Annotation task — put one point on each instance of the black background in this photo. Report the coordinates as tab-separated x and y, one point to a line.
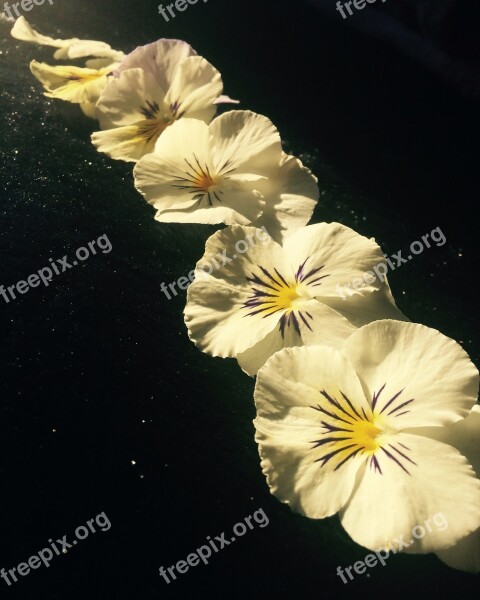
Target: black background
384	108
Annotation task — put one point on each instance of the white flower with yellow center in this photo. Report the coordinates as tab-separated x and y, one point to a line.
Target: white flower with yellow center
79	85
231	171
154	86
267	296
352	431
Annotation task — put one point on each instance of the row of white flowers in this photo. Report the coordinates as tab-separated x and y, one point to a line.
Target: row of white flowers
359	411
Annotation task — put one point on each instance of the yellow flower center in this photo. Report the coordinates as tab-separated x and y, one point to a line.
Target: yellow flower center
204	181
200	177
365	435
355	429
287	296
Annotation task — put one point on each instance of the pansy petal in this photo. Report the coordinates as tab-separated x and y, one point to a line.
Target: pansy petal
240	205
195	86
464	435
230	335
89	110
413	375
159	60
67	49
290	193
419	478
226	100
101	63
288	394
73	84
22	30
239	251
247	141
155	179
123	143
318	324
361	309
314	323
346	254
83	48
123	99
464	555
252	359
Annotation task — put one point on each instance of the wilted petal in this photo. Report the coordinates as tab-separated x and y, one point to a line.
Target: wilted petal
67	49
73	84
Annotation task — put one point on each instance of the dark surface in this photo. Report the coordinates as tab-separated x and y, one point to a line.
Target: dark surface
102	357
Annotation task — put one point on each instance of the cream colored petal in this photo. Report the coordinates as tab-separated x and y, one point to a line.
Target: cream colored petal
419	478
22	30
289	399
361	309
226	100
464	435
159	60
89	110
216	322
412	374
291	193
83	48
239	251
464	555
124	100
101	63
247	141
67	49
195	86
73	84
124	143
313	323
240	206
345	254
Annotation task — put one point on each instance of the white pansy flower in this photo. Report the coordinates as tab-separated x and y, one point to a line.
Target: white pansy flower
79	85
268	296
232	171
155	86
343	431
